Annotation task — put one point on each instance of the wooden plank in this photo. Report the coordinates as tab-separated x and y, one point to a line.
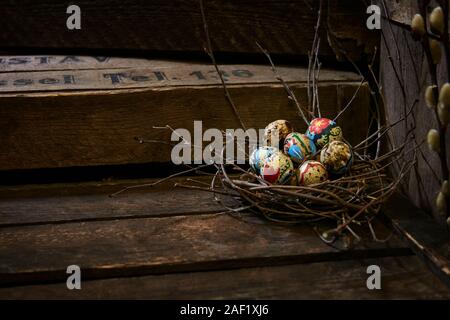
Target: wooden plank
401	278
72	62
83	128
158	74
402	11
408	62
162	245
64	203
176	26
429	240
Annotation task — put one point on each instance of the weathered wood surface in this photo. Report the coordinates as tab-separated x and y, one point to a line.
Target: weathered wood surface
142	244
402	11
63	128
63	203
175	26
429	241
402	55
116	73
402	278
137	246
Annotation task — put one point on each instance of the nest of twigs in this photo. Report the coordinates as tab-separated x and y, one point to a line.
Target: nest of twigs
348	202
342	205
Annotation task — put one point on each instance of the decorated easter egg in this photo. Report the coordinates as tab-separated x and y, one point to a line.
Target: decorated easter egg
259	155
323	130
311	172
298	147
277	168
275	132
337	157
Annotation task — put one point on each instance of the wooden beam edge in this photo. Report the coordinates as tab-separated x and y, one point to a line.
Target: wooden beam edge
427	239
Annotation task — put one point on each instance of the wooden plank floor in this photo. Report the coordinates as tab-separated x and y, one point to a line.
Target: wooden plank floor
167	242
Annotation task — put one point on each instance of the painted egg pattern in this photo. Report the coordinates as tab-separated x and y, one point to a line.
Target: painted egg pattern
259	155
280	128
337	157
277	168
323	130
298	147
311	172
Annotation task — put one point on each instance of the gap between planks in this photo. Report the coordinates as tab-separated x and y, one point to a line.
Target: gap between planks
402	278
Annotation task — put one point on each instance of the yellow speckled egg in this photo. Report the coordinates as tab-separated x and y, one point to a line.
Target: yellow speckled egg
337	157
277	169
279	129
312	172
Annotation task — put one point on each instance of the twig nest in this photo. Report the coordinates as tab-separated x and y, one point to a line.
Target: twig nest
435	48
298	147
259	156
430	98
275	132
437	24
441	203
323	130
312	172
277	168
433	140
418	26
337	157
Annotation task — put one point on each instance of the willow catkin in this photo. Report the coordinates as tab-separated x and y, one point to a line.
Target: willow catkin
436	53
441	203
444	95
444	104
418	26
443	114
433	140
437	23
430	97
445	188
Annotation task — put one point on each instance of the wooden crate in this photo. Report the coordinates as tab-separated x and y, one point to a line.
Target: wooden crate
167	242
84	111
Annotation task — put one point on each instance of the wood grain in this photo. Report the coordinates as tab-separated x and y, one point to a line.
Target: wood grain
84	128
161	245
160	26
429	241
91	201
139	74
408	62
402	278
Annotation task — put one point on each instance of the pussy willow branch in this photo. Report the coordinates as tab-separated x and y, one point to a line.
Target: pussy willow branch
433	74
